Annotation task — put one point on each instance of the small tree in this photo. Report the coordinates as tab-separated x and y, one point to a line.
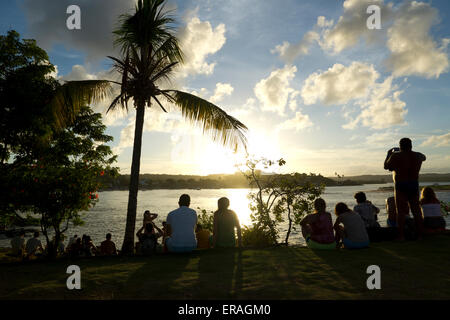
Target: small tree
63	180
277	196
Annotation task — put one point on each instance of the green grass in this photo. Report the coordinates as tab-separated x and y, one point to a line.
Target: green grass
409	270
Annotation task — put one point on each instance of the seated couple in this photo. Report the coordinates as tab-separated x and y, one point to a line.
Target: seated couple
181	225
317	228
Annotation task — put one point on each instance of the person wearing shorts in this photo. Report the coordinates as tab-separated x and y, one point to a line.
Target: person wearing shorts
406	165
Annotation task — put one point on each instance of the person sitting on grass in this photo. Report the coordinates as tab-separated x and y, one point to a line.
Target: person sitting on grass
350	228
34	246
203	237
148	239
431	209
108	247
225	222
18	244
391	212
317	228
88	247
181	225
368	213
75	249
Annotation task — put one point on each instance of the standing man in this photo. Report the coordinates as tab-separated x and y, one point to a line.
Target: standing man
406	165
181	225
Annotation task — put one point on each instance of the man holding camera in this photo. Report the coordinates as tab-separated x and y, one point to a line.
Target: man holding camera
406	165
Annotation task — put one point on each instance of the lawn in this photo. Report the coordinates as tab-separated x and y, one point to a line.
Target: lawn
409	270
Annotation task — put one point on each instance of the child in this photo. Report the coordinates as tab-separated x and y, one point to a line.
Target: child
148	217
431	209
202	237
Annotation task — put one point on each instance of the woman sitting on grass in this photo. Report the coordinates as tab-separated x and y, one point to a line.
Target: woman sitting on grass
317	228
431	209
352	232
225	221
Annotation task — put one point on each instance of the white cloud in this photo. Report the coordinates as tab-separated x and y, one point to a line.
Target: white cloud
273	91
437	141
222	90
352	25
339	84
198	40
289	52
299	122
380	103
413	50
322	22
384	108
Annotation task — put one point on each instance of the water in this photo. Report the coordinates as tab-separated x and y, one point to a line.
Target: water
109	215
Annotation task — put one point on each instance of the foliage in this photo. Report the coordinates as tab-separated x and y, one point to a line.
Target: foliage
277	197
255	236
206	219
63	181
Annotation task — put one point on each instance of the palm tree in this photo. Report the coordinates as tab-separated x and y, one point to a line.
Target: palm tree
150	52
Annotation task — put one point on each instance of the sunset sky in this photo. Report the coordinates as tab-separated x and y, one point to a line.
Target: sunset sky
313	84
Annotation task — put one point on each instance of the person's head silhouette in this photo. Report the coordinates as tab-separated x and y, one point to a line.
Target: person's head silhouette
405	144
184	201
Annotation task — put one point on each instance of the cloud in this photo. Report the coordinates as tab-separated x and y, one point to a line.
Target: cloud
413	50
288	52
199	40
352	25
379	103
339	84
46	21
298	123
384	108
437	141
273	91
222	90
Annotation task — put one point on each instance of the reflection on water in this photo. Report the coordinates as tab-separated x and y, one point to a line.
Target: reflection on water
109	215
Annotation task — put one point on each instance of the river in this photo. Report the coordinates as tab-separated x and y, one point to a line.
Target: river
109	214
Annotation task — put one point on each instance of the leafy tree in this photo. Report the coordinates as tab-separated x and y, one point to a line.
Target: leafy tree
63	181
277	196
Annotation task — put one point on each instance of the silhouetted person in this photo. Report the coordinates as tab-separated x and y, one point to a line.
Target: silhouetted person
203	237
33	245
406	165
350	228
148	238
225	222
181	225
431	209
18	244
317	228
108	247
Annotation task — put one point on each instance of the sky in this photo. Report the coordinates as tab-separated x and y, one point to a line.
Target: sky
314	85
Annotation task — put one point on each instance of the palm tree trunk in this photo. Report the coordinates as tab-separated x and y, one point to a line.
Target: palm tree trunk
128	242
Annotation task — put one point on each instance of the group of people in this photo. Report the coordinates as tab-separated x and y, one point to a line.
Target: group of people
352	229
181	231
77	247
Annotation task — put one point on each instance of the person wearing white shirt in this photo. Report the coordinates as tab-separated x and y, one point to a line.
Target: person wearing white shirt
181	225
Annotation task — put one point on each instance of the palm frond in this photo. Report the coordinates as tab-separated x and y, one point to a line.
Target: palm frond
213	120
71	96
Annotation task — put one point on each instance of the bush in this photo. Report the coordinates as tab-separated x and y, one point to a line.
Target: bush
205	219
254	236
